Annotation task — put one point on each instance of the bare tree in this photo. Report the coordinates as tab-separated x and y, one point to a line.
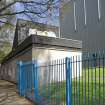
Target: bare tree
30	8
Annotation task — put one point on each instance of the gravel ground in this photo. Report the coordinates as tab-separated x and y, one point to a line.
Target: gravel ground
9	95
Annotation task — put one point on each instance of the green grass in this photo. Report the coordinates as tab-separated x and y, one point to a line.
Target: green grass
86	90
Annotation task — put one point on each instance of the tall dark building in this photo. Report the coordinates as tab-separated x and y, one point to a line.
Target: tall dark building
84	20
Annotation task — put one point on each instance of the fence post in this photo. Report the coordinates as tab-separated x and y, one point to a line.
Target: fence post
36	77
20	87
68	82
18	76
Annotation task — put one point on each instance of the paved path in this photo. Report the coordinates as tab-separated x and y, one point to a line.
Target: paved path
9	95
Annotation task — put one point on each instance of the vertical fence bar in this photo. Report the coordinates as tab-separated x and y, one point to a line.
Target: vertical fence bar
51	83
44	81
85	80
50	72
29	80
64	74
88	79
103	76
73	62
71	80
82	82
99	77
76	84
36	82
33	79
68	82
47	84
33	76
57	71
95	74
92	80
26	80
23	77
79	78
31	64
71	71
56	82
25	83
61	81
20	78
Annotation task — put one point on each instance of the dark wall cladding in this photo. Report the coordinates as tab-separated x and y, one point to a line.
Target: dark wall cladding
93	32
93	59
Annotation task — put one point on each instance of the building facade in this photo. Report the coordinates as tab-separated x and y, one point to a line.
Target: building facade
37	47
84	20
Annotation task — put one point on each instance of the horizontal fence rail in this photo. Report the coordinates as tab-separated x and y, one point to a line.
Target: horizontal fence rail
70	81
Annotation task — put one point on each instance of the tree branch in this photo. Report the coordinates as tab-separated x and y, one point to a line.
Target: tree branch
33	2
5	22
24	2
7	6
21	12
24	11
2	21
32	8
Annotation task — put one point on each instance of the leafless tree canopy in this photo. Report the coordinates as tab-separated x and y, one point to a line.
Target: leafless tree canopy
30	8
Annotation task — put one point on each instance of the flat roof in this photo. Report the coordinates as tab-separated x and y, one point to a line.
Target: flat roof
44	41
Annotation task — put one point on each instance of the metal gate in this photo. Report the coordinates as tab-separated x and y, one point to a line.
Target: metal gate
47	84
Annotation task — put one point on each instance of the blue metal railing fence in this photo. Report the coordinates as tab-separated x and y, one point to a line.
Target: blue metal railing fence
45	84
69	81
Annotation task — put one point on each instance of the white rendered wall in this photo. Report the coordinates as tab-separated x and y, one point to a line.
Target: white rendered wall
45	55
